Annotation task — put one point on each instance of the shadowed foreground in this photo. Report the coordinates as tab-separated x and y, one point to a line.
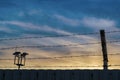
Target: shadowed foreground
59	74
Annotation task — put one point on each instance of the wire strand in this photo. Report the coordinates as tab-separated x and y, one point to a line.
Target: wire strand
54	46
53	36
49	46
65	56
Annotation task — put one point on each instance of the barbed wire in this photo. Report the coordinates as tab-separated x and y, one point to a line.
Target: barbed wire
72	66
89	66
114	65
115	31
64	66
66	56
60	66
49	46
49	66
54	46
113	41
72	56
68	45
53	36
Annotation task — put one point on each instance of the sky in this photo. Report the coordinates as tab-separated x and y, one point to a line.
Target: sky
36	18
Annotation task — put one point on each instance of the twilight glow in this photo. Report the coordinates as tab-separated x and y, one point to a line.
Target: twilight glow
36	18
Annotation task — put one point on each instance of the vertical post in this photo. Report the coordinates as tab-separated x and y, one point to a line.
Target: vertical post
19	59
18	62
24	60
19	66
104	50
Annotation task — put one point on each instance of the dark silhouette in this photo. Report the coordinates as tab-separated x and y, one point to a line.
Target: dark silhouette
20	59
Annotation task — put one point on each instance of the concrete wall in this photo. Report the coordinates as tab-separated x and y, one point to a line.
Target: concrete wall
59	75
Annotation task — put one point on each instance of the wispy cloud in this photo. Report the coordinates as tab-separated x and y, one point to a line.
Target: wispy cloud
68	21
99	23
5	29
31	26
91	22
31	18
30	13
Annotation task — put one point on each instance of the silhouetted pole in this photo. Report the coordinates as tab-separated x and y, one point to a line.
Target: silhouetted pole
104	50
19	66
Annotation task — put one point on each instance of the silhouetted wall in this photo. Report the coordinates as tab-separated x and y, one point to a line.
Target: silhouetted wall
59	75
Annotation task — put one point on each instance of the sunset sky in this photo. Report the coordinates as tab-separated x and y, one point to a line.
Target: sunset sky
36	18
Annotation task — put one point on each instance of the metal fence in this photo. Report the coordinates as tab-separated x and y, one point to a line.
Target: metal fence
59	74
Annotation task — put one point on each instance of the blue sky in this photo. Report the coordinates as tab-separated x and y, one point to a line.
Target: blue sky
71	16
30	18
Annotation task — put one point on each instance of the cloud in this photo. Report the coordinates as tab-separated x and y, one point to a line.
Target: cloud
90	22
98	23
51	52
38	52
30	13
30	26
48	41
68	21
5	29
20	24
